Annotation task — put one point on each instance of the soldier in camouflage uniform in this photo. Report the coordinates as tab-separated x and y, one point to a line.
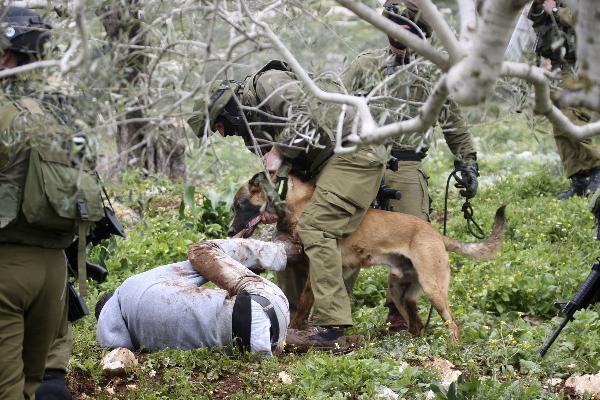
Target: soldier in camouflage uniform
554	25
346	184
43	185
409	83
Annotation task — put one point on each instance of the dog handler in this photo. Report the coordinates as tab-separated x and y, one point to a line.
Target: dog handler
401	98
168	307
282	117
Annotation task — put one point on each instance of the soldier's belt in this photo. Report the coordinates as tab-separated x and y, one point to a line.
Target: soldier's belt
407	155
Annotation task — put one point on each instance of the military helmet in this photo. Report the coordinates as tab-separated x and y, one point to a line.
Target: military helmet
24	31
221	104
401	10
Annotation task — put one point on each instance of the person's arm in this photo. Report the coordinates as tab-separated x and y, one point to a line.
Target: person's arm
362	75
456	133
541	10
255	254
460	142
220	261
565	16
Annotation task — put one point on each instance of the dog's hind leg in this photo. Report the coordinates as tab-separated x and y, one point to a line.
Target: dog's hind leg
398	289
405	291
435	281
411	296
305	304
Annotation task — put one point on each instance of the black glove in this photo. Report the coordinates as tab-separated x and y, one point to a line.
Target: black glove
469	171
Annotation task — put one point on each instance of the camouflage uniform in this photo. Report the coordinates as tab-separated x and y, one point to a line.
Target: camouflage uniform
32	305
346	184
398	99
577	156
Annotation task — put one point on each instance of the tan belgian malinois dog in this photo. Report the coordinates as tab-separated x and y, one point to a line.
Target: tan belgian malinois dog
382	238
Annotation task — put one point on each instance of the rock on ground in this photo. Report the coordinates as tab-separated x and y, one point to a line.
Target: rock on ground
584	383
385	393
446	369
285	378
118	362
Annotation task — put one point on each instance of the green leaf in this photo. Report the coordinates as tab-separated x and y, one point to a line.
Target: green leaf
189	193
436	388
182	209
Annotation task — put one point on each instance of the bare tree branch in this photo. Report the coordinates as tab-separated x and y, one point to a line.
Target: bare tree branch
472	79
392	29
432	15
543	103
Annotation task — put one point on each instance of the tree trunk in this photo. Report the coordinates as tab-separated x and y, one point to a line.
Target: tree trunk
139	143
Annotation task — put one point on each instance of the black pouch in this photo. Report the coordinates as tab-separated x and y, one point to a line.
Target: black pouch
77	307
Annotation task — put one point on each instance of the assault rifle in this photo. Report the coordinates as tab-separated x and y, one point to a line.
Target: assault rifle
103	229
588	293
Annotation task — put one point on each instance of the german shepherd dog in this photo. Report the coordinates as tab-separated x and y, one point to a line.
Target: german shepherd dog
412	248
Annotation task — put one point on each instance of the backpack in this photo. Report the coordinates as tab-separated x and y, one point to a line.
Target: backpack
308	164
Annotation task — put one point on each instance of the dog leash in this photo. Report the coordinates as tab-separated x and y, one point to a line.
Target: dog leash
472	225
467	209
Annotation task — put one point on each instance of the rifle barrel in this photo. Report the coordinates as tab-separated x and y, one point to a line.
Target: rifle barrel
555	335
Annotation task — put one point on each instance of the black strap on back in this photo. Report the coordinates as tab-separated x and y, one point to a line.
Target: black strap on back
269	309
241	320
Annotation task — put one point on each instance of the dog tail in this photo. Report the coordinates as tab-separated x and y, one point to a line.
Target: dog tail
485	250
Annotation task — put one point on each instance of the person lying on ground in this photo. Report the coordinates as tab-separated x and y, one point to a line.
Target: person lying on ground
169	306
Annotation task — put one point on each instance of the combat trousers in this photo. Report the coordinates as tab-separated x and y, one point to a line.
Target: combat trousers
344	191
576	155
32	310
61	349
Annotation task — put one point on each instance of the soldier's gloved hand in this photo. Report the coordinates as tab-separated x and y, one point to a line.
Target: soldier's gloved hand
469	171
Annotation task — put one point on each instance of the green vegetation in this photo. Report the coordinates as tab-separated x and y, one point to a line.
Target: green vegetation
504	306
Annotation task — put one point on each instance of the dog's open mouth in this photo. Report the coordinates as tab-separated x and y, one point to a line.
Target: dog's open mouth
250	227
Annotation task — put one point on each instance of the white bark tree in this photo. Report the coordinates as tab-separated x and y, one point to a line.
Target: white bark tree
186	45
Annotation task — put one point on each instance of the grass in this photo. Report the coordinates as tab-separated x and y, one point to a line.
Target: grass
504	306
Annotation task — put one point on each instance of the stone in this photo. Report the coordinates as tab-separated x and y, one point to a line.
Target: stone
285	378
446	369
584	383
385	393
118	362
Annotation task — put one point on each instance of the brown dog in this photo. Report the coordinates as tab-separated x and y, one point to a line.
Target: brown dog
412	248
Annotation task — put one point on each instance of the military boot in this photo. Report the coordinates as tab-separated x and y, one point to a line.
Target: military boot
579	183
316	337
54	386
594	180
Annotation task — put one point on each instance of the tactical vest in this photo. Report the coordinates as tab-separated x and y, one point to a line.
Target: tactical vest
45	199
307	164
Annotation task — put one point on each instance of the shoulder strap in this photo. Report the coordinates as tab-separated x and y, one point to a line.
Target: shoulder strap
275	64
